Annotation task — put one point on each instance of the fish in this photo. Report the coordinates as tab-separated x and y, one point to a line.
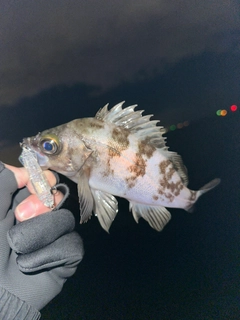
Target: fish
118	153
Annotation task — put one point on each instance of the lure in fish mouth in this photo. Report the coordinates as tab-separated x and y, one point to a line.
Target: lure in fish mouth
119	152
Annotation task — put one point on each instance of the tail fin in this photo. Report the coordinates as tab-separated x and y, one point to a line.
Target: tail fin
207	187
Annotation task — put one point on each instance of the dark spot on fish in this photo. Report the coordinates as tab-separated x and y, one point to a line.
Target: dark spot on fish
155	198
96	124
179	187
113	152
146	148
108	170
174	187
118	142
138	169
120	136
163	165
79	126
170	173
169	196
193	195
131	181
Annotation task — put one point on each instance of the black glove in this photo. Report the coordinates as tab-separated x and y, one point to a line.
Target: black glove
36	256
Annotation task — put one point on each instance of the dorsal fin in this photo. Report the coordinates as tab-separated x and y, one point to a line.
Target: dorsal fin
145	129
128	118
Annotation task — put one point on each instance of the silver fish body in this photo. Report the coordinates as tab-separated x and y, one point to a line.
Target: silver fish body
121	153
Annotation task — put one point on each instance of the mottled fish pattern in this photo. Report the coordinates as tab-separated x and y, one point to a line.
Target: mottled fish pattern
120	153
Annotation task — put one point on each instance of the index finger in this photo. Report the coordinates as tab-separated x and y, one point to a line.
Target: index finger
22	177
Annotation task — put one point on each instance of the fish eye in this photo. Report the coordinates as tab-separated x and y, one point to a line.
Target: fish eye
50	144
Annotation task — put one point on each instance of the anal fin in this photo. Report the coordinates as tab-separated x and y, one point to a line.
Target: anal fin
105	208
157	217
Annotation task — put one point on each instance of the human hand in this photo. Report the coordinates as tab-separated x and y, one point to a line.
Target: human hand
36	255
31	206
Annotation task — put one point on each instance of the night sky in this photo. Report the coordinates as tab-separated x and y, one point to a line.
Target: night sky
178	60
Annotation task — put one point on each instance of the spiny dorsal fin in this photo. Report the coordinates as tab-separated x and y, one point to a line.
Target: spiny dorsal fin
141	126
145	129
102	112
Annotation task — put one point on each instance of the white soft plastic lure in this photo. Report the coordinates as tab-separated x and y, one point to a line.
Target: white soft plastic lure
37	177
118	152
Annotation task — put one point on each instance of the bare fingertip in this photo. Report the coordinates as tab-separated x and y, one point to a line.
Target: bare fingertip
25	210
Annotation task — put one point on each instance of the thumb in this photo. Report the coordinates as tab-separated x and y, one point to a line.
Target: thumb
29	208
32	207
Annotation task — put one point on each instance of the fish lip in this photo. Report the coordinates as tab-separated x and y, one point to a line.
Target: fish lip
24	143
32	144
27	143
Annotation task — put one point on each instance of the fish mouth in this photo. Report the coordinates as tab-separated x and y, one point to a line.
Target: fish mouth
31	144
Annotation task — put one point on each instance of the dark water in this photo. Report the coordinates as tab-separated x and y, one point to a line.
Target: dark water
191	270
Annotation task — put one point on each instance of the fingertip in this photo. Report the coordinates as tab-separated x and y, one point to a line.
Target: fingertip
29	208
32	207
25	210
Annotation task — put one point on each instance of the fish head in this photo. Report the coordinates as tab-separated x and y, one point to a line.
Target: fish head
61	149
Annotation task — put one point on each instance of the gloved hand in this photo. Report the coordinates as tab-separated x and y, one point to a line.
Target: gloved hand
36	255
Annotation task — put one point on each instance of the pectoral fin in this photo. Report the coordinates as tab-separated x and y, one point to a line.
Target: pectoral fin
105	208
157	217
85	197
